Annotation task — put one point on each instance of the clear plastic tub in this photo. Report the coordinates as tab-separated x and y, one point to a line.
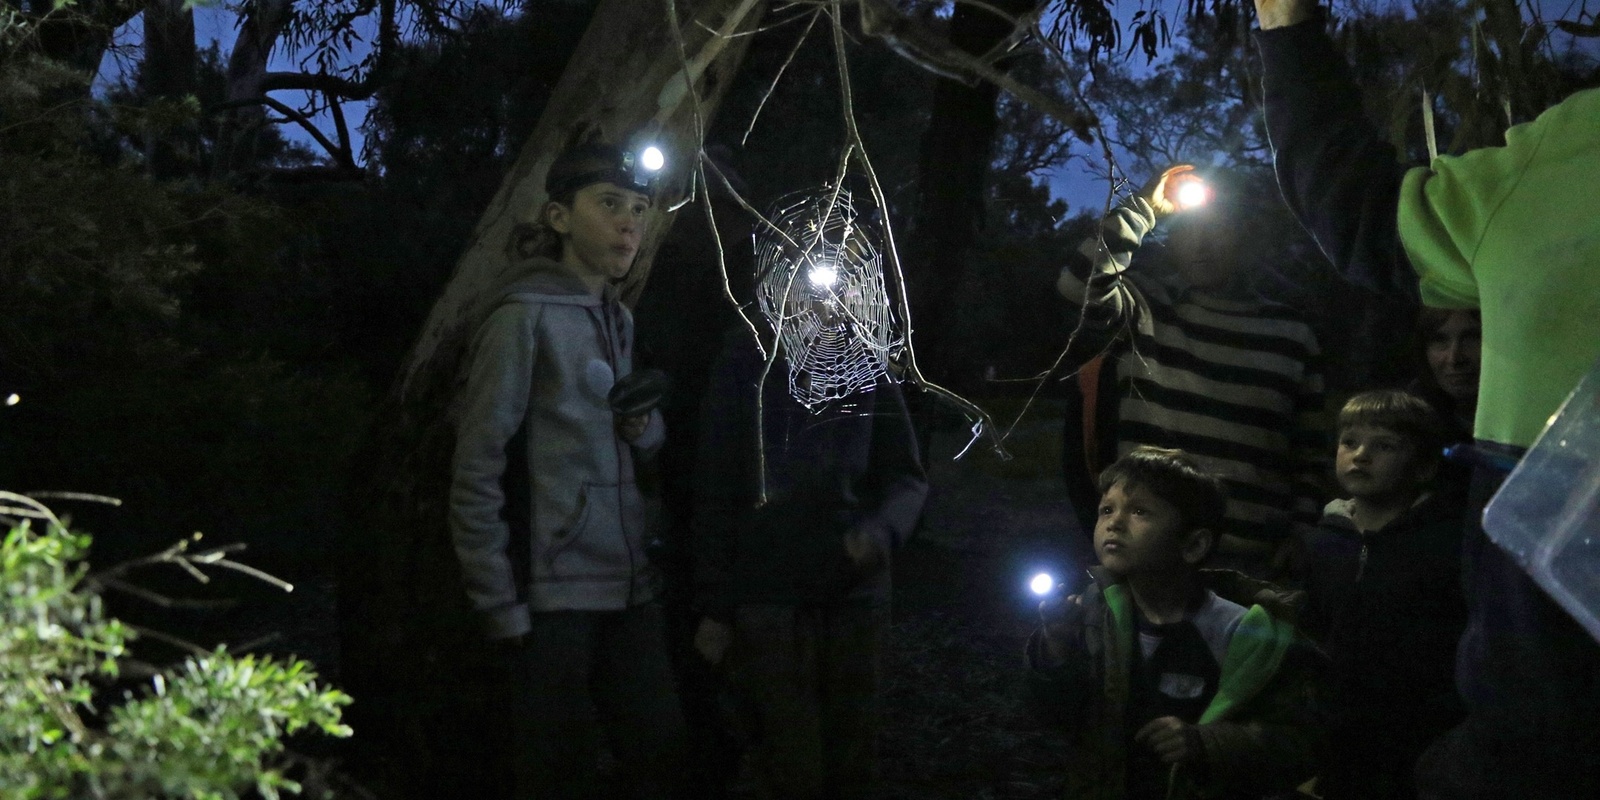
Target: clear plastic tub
1547	515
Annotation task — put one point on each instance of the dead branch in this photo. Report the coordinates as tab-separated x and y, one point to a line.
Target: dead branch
914	42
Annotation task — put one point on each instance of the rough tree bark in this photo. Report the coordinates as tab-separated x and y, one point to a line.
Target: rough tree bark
412	652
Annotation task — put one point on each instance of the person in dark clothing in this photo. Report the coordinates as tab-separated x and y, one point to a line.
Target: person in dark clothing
1509	230
1173	682
794	585
1384	598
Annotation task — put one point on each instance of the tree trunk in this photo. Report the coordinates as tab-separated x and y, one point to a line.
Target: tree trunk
247	69
168	74
413	654
78	35
953	167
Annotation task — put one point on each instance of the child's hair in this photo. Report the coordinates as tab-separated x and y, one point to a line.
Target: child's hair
1176	477
1401	412
562	182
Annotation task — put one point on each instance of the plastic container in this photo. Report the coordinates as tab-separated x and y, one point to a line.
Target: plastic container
1547	514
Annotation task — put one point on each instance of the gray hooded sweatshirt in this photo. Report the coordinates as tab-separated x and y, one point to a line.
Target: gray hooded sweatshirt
542	364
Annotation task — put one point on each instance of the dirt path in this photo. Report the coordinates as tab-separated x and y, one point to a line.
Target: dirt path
956	723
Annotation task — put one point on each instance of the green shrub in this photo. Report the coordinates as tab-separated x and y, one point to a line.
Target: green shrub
76	722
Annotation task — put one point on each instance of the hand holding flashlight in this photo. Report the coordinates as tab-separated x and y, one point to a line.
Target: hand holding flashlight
1177	189
1059	614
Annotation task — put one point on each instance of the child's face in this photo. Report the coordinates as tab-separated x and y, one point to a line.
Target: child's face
1378	464
1136	532
601	229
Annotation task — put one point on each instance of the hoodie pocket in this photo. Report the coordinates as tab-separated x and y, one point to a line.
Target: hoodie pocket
604	535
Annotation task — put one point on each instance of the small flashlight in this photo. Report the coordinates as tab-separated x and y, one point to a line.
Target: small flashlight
1193	194
1042	584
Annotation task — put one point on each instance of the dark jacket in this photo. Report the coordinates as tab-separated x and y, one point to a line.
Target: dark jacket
1261	733
1386	606
851	464
1338	176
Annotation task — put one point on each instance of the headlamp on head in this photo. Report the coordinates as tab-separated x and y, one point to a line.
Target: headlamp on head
637	170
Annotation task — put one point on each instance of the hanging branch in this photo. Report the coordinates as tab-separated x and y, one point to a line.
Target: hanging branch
982	420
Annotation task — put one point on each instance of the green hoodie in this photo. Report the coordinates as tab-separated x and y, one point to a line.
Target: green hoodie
1513	230
1260	732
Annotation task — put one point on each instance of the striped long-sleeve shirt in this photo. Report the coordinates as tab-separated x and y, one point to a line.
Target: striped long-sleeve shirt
1235	382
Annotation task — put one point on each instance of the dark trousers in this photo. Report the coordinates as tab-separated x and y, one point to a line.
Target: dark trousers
585	674
810	676
1530	677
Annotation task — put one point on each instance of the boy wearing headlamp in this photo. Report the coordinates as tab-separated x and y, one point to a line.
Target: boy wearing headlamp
547	519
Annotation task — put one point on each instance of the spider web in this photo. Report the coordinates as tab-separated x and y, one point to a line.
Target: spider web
819	278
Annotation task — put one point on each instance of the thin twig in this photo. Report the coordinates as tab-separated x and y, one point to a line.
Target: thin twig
162	600
764	97
180	643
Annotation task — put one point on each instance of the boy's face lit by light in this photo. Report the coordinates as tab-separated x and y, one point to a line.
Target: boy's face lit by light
601	229
1378	464
1136	532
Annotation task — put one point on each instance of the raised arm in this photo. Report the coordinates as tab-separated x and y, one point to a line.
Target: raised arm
1338	176
1093	278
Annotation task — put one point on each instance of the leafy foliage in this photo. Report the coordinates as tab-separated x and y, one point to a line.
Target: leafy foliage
148	324
212	727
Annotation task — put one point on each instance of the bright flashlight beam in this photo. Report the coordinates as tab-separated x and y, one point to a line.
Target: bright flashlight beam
822	276
652	159
1042	584
1193	193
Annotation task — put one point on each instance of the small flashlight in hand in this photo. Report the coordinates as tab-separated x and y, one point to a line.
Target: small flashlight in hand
1042	584
1193	194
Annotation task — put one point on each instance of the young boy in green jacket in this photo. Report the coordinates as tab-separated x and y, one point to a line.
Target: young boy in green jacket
1174	682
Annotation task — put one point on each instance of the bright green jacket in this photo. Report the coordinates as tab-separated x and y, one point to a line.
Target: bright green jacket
1515	231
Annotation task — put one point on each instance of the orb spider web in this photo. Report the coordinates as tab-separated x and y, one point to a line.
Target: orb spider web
819	279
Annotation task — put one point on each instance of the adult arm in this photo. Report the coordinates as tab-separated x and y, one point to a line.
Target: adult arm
493	406
1093	277
1338	176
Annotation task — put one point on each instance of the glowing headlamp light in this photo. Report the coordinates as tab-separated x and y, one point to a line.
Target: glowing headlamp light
641	168
636	170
